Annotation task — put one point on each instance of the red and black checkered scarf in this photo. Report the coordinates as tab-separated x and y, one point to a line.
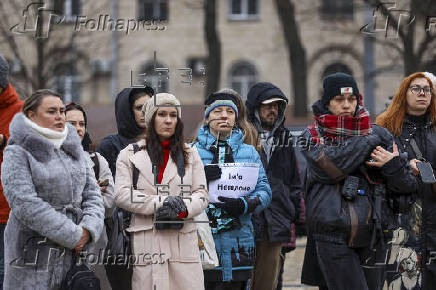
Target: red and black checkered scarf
337	128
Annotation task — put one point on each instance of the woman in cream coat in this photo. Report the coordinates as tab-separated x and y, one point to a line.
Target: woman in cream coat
164	255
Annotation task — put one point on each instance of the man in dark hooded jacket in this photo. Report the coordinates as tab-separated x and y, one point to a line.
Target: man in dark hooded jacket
347	192
266	105
131	127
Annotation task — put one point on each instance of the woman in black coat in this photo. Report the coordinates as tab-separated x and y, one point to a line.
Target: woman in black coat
411	119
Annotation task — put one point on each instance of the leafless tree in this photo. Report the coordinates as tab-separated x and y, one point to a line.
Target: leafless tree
56	51
296	53
213	42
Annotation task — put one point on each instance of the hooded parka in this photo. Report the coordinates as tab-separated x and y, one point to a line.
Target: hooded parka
167	259
280	162
53	195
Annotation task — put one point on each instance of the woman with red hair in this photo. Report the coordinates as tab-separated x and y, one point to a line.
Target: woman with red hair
411	118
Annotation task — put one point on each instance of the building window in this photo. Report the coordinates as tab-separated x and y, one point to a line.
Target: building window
337	9
69	8
335	68
153	9
243	76
67	83
155	76
243	9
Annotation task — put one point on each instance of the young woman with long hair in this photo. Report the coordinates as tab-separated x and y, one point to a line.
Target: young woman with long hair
166	255
411	119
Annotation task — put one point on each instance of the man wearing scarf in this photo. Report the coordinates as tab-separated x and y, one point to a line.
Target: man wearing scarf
352	167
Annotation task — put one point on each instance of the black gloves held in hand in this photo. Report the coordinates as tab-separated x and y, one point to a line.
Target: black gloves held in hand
173	208
236	206
212	172
176	203
233	206
166	213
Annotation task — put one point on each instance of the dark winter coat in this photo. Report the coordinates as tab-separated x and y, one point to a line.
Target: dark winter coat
423	131
281	168
53	194
111	145
329	214
329	165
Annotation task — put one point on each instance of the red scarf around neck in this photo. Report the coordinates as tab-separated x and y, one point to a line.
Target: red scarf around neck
340	127
166	154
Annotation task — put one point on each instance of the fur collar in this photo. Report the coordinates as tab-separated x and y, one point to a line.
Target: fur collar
39	147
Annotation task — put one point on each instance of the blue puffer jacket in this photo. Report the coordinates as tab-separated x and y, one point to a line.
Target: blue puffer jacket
235	248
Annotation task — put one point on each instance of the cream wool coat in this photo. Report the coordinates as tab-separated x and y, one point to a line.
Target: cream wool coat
169	259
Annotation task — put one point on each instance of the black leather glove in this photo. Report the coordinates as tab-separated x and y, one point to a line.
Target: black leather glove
233	206
167	213
176	203
213	172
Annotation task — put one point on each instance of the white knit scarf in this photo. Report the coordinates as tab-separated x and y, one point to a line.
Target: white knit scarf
57	138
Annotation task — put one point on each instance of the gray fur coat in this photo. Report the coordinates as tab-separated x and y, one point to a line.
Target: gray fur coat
52	194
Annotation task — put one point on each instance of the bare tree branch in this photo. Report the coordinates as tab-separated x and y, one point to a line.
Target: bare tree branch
10	40
296	53
428	39
391	44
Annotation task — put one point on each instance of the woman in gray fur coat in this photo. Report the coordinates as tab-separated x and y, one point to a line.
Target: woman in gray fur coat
56	205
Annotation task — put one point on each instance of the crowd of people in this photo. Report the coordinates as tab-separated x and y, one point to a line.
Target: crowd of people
152	209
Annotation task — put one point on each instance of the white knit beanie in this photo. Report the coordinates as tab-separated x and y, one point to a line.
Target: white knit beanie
151	106
432	78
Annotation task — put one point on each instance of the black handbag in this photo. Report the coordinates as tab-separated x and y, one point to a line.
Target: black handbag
79	277
118	237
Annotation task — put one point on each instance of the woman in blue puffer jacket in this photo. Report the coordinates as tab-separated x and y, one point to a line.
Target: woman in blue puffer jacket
221	141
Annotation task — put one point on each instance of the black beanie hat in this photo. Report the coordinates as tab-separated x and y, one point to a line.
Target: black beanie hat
337	84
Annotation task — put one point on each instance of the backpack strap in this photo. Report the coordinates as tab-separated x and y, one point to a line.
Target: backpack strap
96	168
135	174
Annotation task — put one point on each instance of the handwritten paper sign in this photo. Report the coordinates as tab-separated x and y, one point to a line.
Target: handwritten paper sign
237	179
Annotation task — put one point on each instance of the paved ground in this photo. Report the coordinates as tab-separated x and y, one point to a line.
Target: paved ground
293	264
